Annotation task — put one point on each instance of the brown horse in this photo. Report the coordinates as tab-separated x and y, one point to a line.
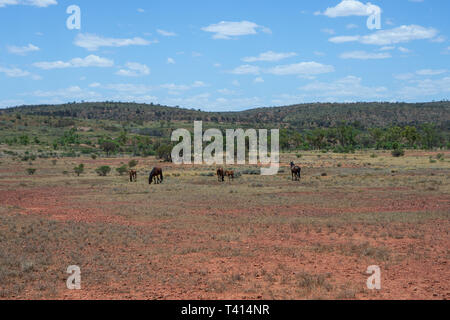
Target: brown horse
229	174
156	176
296	172
133	175
220	175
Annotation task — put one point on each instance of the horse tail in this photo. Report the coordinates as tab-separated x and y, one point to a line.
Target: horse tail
162	178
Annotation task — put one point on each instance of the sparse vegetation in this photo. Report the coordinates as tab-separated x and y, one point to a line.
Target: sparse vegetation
103	171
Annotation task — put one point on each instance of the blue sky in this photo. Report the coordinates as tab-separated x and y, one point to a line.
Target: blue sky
224	55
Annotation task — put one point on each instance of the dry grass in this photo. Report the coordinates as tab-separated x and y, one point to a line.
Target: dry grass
255	237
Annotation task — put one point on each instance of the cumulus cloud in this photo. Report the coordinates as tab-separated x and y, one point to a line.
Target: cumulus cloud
349	86
391	36
351	8
18	73
425	87
363	55
246	69
302	69
134	69
230	29
430	72
170	61
65	94
93	42
89	61
270	56
22	51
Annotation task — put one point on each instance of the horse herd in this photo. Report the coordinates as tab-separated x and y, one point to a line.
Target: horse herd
156	175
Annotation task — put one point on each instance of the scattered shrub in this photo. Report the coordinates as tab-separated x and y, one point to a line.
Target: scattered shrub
133	163
398	153
103	171
122	170
79	170
31	171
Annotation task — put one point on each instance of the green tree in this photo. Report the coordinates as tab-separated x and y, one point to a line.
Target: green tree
103	171
164	152
109	147
430	136
79	169
122	170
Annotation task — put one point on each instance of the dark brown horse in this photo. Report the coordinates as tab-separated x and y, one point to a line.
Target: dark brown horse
296	172
229	174
220	175
133	175
156	176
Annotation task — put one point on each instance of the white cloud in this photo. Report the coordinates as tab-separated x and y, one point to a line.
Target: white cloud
352	26
34	3
349	86
170	61
363	55
65	94
166	33
270	56
89	61
134	69
430	72
425	87
302	68
328	31
93	42
424	72
387	48
18	73
258	80
404	50
140	10
391	36
246	69
229	29
22	50
351	8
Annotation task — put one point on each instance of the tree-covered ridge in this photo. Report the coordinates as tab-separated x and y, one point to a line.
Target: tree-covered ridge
304	116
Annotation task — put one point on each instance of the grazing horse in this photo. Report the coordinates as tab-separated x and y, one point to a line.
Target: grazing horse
230	175
220	175
156	176
296	172
133	175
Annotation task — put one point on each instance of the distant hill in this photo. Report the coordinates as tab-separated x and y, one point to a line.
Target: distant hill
305	116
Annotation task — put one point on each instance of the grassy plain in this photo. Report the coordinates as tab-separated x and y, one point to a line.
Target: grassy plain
256	237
